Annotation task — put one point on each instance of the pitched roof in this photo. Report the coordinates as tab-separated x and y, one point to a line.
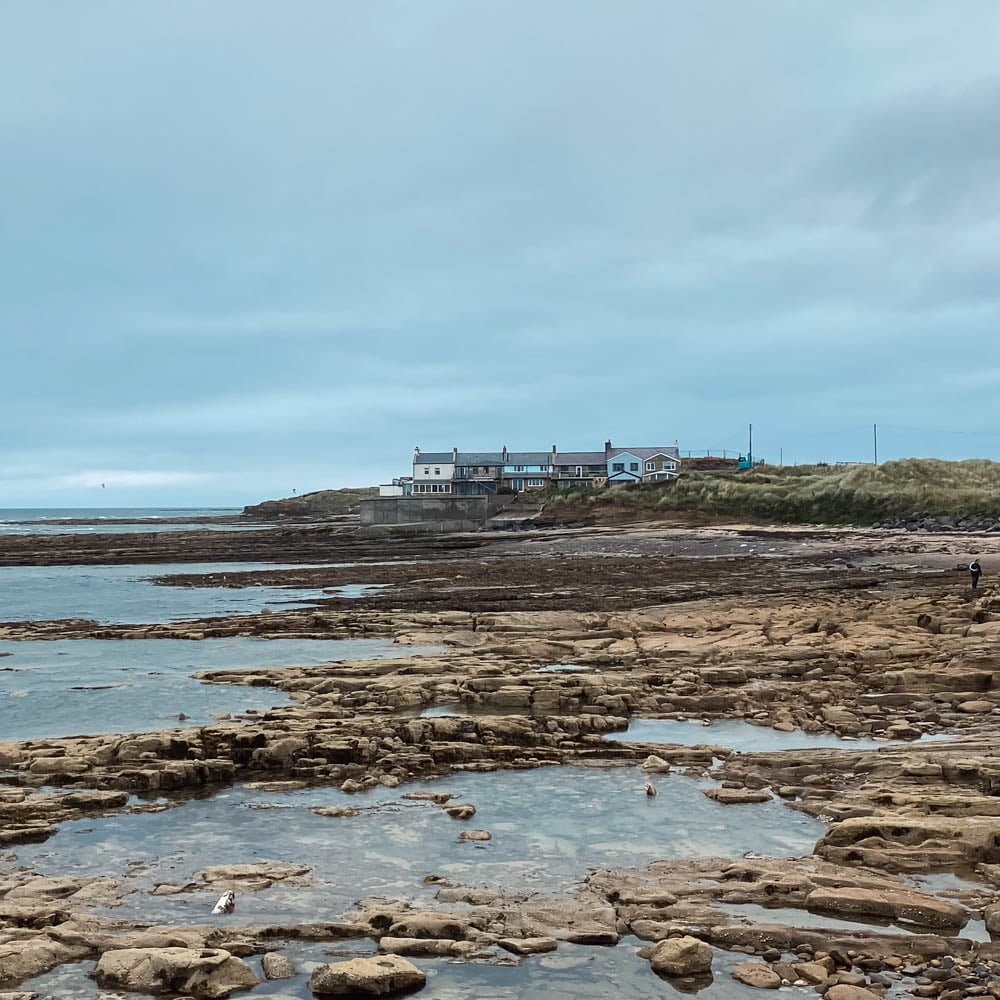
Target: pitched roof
671	452
480	458
580	458
431	457
529	457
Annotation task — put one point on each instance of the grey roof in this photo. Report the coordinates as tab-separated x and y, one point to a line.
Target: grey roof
529	457
479	458
430	457
671	452
580	458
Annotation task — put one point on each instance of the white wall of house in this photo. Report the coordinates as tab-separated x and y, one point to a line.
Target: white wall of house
433	472
391	490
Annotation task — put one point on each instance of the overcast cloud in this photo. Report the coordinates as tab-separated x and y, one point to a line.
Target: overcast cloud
252	247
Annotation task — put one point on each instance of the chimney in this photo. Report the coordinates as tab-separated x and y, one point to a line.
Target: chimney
607	448
416	452
503	454
454	456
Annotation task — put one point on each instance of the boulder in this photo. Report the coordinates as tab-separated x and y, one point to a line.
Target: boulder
655	765
845	992
527	946
738	796
200	972
277	966
756	974
373	977
681	956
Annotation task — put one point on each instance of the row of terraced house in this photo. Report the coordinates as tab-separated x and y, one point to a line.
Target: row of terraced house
479	473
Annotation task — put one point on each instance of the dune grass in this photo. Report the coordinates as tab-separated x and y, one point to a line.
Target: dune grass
815	494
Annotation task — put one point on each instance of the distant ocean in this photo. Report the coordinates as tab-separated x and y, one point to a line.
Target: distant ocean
31	520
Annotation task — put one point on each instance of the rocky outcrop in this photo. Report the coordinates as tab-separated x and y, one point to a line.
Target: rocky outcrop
384	975
205	972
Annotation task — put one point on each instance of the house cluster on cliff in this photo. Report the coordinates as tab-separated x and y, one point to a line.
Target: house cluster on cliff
479	473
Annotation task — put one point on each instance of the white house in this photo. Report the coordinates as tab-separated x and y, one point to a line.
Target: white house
433	471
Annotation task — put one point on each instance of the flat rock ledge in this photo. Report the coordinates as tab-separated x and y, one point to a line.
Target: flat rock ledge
384	975
200	972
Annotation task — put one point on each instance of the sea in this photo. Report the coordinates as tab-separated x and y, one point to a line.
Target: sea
105	520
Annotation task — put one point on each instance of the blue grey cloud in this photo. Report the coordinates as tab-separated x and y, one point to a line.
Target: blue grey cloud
248	248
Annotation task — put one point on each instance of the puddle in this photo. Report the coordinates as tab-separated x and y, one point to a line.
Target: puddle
974	930
549	826
128	595
744	737
560	668
471	711
573	972
66	687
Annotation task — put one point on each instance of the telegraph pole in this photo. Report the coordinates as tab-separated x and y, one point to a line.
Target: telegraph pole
750	451
875	440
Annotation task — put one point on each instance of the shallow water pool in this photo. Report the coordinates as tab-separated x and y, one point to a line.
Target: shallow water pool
549	826
743	736
66	687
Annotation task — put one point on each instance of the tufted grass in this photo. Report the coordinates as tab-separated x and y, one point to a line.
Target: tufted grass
816	494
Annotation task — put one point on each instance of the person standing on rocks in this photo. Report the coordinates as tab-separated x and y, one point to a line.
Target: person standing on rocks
976	571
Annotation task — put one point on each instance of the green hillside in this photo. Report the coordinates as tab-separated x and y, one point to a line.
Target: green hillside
856	494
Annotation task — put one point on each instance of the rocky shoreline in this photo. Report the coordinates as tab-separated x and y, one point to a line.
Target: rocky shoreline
803	644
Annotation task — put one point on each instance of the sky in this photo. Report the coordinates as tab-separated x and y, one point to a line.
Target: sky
251	247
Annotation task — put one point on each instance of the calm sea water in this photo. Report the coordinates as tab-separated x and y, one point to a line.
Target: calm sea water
27	520
128	595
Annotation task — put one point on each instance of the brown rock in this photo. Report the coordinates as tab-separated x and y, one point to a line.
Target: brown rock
527	946
756	974
844	992
738	796
380	976
904	905
277	966
201	972
681	956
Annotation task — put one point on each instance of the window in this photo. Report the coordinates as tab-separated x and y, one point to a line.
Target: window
633	467
519	468
618	467
669	466
534	482
427	470
437	472
650	466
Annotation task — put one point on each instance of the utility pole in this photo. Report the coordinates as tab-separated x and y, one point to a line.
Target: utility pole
781	456
750	451
875	440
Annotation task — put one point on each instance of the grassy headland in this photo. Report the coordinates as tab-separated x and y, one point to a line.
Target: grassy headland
806	494
322	503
